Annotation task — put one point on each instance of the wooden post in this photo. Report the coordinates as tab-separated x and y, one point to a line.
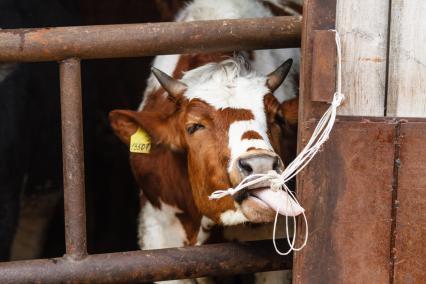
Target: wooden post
407	59
363	28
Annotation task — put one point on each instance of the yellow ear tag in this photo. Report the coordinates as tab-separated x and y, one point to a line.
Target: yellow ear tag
140	142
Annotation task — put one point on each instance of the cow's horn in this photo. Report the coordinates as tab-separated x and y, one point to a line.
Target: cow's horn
172	86
277	77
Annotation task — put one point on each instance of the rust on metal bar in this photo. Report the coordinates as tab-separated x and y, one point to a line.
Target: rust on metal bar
151	265
409	251
323	83
133	40
396	167
317	15
348	190
73	158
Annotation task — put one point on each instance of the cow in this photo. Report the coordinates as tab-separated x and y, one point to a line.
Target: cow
212	119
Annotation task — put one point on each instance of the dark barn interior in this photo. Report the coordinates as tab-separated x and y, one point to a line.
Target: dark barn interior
30	147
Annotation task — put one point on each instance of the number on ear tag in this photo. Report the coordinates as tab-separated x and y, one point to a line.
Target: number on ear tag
140	142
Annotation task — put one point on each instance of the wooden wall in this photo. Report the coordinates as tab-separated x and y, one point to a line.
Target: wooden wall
407	59
364	194
384	57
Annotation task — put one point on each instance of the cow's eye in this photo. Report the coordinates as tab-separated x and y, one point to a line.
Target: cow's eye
194	127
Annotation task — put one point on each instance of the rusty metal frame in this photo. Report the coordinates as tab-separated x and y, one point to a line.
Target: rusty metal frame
133	40
68	46
150	265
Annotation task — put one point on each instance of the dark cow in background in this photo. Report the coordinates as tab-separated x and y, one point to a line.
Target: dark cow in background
30	139
29	118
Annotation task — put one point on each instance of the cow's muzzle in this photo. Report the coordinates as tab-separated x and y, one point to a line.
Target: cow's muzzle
256	163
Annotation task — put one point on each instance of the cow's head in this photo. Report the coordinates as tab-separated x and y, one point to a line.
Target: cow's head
227	120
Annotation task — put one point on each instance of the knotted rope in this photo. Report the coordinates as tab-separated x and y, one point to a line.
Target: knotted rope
278	181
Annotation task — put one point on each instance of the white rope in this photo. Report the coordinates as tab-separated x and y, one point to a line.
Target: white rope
278	181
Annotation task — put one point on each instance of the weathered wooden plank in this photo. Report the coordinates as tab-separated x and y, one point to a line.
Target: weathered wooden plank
407	59
410	240
363	29
347	193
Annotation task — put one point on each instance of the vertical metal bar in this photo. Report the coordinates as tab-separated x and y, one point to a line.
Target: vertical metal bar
73	158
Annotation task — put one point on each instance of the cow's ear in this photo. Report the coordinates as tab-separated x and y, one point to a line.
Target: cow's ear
161	128
123	124
289	111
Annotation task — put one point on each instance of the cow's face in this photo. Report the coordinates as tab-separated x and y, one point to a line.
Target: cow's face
225	119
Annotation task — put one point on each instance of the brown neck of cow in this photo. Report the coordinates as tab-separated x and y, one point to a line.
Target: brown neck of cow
163	178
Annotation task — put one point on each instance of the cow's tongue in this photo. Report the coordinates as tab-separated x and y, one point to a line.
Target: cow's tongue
279	200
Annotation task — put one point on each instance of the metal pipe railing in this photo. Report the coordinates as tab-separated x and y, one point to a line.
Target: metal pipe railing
133	40
151	265
73	158
70	44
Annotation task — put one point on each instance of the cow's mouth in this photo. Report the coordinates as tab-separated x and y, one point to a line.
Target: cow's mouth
255	209
260	203
245	193
251	194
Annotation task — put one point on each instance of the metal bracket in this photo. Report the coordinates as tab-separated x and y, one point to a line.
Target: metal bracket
323	66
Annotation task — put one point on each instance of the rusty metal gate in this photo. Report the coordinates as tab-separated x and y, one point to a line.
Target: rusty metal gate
67	46
360	193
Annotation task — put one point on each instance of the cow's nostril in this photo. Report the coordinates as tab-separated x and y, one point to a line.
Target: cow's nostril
245	166
259	164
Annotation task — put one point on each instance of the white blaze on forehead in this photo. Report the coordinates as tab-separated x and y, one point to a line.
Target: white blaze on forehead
230	84
238	146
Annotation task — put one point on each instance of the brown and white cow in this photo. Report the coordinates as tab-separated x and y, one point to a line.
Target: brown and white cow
212	122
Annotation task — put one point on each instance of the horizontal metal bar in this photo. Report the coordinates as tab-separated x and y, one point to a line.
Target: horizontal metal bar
133	40
151	265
